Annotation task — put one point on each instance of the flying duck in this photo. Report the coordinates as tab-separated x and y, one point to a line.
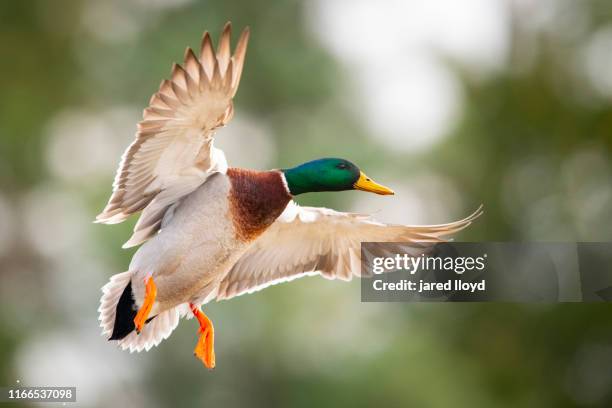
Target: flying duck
210	232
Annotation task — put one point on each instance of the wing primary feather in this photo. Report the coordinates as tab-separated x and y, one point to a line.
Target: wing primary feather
216	78
183	95
192	65
157	102
166	88
169	100
223	50
192	86
156	113
151	125
227	78
238	58
207	55
178	76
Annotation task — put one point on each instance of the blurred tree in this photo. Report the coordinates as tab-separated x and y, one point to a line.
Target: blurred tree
533	144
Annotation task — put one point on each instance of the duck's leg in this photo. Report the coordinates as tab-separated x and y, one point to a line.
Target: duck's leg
147	304
205	348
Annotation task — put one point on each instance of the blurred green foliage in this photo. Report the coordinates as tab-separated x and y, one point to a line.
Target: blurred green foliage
432	355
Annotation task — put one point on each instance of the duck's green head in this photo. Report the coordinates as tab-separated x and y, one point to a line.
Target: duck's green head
330	174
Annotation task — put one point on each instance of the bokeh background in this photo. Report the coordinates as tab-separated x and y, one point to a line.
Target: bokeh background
453	104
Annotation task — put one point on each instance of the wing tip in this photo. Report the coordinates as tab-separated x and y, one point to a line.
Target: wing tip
110	217
477	213
189	54
244	36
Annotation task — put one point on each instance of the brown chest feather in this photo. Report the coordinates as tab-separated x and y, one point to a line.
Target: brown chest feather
257	198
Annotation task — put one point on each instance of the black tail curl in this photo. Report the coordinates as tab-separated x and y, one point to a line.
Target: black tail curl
125	314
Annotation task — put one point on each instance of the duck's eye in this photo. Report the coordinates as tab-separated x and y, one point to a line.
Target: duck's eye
342	166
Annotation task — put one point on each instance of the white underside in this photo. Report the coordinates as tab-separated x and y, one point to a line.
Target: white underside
193	252
187	259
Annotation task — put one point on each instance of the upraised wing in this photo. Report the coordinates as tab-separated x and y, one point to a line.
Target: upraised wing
306	241
173	151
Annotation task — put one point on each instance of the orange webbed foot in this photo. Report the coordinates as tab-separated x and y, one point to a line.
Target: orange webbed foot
205	347
147	305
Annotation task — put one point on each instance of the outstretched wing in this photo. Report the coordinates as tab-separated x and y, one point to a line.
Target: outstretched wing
173	152
308	241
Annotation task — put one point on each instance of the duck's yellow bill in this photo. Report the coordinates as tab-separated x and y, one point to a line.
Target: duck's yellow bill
364	183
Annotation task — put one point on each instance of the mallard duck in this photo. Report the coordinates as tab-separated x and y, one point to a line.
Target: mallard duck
209	231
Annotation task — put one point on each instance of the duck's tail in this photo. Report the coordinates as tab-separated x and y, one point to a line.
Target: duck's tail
117	312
